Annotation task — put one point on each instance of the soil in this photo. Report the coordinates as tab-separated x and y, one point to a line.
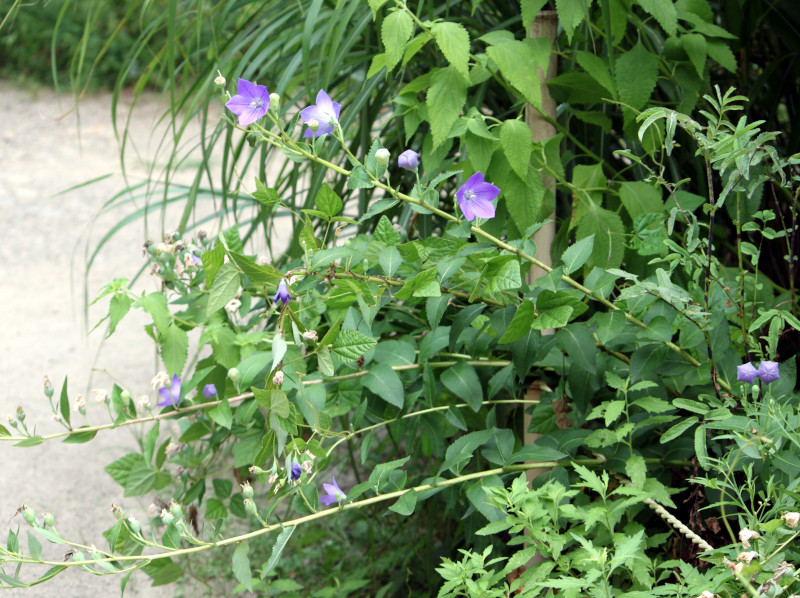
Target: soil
46	150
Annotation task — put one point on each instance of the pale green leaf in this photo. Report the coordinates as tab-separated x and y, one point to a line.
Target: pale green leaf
226	285
397	29
453	41
446	97
515	137
570	15
664	12
351	344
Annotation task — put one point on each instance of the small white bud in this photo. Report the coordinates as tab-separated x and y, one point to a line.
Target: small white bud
232	306
100	395
746	535
310	335
313	124
277	379
143	402
219	81
159	380
382	156
274	101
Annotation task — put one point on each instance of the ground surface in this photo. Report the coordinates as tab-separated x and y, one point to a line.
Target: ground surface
41	296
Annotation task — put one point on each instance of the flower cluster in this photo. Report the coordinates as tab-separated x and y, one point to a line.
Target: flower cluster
767	372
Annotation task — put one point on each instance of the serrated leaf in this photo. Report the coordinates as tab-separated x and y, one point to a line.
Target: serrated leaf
174	348
570	15
576	255
609	236
636	469
530	8
640	198
397	29
327	201
664	12
351	344
241	566
635	73
597	70
678	429
515	137
226	285
359	179
453	41
377	65
517	60
445	98
695	46
385	232
277	550
719	51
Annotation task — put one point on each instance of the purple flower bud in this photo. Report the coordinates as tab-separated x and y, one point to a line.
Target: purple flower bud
768	371
746	373
210	391
409	160
282	294
296	472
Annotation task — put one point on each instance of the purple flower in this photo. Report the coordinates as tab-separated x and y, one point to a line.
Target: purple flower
296	471
170	397
475	197
409	160
322	115
250	104
746	373
196	260
282	294
768	371
210	391
334	493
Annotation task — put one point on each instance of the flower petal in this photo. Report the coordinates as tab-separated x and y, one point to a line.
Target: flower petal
486	191
176	387
166	396
313	112
324	102
466	208
473	181
482	207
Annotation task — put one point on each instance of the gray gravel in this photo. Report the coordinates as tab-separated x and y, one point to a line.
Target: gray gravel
41	297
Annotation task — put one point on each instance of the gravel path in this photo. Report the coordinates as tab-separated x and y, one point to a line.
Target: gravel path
41	296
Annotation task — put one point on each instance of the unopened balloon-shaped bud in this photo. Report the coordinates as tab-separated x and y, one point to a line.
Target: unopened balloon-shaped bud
382	156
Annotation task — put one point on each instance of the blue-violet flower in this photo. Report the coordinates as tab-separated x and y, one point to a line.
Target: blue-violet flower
746	373
475	197
250	104
282	293
409	160
170	397
333	493
768	371
324	113
296	471
210	391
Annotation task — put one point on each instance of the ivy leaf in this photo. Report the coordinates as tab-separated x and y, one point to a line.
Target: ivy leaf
351	344
664	12
453	41
515	137
397	29
446	97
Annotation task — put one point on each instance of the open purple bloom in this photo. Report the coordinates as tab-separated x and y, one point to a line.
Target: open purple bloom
250	104
746	373
282	294
475	197
768	371
409	160
196	260
210	391
296	471
172	396
323	115
333	493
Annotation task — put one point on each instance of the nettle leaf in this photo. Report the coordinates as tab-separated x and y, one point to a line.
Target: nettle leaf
397	29
226	285
351	344
446	97
530	8
719	51
328	202
636	72
664	12
576	255
515	137
570	15
453	41
517	60
640	198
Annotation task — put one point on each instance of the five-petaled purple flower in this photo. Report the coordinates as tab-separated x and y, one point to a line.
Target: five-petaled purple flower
768	371
296	471
409	160
282	293
746	373
333	493
475	197
172	396
210	391
323	115
250	104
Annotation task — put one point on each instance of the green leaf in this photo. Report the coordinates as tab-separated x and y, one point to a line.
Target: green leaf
389	258
636	469
63	403
266	196
34	547
328	202
423	284
277	550
700	447
678	429
609	235
226	285
576	255
636	72
386	383
597	70
155	304
377	65
517	60
640	198
325	362
664	12
279	348
359	179
570	15
212	262
406	504
502	273
397	29
577	341
140	480
695	46
241	566
445	98
174	348
351	344
460	452
463	382
520	324
530	8
222	414
453	41
523	197
163	572
385	232
719	51
118	307
515	137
